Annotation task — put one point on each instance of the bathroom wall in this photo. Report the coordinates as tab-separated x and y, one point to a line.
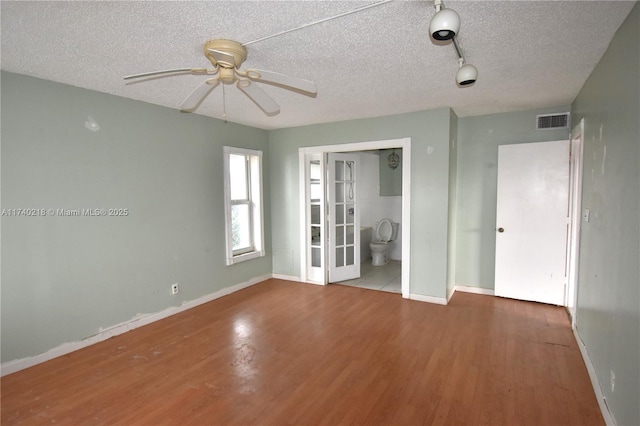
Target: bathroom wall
390	179
374	207
65	279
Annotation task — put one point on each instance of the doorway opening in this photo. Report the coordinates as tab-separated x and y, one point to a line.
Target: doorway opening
332	243
387	278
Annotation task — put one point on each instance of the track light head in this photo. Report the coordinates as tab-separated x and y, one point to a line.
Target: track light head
445	24
466	75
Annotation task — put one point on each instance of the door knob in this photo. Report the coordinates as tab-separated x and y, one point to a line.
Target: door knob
500	229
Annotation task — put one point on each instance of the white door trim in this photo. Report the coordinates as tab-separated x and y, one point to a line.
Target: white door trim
575	216
405	144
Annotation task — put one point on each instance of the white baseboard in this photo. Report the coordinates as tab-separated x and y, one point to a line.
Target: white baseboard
450	293
286	277
608	416
295	279
135	322
428	299
475	290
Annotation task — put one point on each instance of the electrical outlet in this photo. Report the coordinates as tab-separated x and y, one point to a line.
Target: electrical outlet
174	289
613	381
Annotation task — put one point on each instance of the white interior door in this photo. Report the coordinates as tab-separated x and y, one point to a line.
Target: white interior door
314	225
344	217
532	225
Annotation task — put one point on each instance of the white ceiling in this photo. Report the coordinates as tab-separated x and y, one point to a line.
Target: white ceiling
376	62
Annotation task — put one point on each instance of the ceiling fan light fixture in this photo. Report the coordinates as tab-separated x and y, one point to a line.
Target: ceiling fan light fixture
445	24
227	76
466	75
393	160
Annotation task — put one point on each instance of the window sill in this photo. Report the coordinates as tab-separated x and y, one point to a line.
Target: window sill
244	257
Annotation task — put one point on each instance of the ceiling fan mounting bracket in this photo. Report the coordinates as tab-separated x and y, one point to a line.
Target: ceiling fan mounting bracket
229	47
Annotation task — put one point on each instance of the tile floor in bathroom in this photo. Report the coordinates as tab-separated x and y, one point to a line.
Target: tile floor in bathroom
384	278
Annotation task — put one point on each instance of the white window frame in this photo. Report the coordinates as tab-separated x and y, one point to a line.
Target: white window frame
254	191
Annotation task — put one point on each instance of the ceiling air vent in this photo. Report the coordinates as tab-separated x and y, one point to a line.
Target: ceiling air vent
552	121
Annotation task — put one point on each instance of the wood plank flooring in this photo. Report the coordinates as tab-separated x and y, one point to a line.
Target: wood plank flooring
281	353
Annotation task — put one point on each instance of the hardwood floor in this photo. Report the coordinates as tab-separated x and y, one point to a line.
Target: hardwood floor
289	353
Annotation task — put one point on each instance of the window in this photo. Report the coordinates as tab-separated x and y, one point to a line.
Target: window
243	204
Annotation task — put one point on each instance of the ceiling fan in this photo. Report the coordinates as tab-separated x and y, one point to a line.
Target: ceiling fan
227	56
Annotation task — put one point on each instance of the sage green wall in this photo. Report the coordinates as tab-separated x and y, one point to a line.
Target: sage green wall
478	141
453	207
65	278
390	179
608	308
429	132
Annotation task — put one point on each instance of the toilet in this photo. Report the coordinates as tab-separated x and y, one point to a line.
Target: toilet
385	231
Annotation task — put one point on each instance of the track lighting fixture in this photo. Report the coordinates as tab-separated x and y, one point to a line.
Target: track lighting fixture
467	74
445	25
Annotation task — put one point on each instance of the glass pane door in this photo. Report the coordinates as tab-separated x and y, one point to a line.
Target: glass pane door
315	220
315	191
344	218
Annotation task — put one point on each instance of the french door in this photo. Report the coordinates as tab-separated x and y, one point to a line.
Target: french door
315	232
315	222
332	217
344	217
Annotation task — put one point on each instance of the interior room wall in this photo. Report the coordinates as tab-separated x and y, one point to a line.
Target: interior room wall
67	278
452	201
477	185
374	207
608	306
429	133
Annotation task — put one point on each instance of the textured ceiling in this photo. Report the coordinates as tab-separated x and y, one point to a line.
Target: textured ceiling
376	62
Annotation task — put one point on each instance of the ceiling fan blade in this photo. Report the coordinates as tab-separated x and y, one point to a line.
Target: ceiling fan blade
196	97
174	71
283	80
259	96
223	57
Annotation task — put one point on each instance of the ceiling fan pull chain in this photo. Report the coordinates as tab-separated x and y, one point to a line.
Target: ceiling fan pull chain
224	105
